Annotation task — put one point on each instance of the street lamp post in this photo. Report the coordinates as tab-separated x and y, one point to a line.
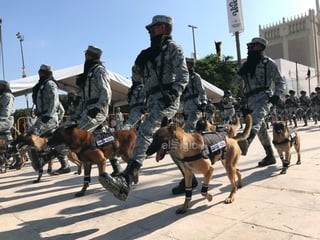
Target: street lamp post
21	39
194	42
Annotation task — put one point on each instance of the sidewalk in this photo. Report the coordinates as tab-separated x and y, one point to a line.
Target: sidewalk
269	206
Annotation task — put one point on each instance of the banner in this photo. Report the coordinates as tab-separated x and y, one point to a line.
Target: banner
235	17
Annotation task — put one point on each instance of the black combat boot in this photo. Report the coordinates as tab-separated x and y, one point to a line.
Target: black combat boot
180	188
269	159
65	168
17	162
115	164
244	145
120	185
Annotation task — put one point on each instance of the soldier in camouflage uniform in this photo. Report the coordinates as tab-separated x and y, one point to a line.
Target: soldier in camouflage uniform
137	102
7	120
194	98
49	112
194	105
227	105
94	83
93	107
315	103
292	105
305	103
210	111
162	69
259	73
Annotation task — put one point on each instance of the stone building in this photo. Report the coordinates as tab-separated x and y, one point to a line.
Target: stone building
297	40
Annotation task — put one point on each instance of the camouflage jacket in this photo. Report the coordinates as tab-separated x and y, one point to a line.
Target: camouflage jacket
266	79
195	90
6	105
165	72
96	91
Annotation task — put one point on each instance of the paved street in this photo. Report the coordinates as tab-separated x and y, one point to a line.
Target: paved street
269	206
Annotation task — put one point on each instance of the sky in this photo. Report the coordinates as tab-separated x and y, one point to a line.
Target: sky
58	32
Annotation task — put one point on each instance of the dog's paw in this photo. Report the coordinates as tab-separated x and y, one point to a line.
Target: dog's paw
228	200
298	162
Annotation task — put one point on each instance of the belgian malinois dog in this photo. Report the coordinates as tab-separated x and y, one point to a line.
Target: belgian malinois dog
284	138
80	142
196	155
39	144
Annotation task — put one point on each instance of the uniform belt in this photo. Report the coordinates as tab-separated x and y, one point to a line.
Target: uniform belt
255	91
159	87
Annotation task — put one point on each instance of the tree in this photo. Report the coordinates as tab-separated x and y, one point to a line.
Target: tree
218	71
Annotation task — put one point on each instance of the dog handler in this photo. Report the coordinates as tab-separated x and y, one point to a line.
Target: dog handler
162	69
7	120
49	111
259	73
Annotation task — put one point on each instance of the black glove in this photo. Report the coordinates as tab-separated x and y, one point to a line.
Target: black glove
45	119
274	99
93	112
169	98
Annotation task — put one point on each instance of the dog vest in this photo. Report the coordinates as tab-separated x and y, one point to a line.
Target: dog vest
102	139
215	143
291	138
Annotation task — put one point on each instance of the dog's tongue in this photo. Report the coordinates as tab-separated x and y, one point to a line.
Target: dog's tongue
160	154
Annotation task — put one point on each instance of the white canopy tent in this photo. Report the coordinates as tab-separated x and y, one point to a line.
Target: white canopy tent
66	79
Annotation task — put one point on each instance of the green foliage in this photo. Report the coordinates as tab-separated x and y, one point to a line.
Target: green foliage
218	71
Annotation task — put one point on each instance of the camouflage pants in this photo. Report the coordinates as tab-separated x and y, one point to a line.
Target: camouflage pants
227	115
156	112
39	128
90	124
192	115
135	116
260	106
5	129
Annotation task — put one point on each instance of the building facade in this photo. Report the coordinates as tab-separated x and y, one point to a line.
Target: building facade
297	40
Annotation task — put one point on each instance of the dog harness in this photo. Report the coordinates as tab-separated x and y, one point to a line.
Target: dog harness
291	138
215	143
102	139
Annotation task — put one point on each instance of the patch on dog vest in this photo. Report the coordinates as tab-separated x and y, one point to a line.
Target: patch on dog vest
104	139
215	142
292	136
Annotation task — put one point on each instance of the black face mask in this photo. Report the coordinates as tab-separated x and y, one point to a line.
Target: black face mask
253	59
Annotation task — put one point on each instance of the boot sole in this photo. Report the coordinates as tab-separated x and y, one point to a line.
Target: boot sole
108	183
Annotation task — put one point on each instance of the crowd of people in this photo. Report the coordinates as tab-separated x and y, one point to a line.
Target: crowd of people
163	80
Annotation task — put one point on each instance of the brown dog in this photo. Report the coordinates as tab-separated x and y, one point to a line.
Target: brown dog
195	156
24	142
80	142
284	138
231	129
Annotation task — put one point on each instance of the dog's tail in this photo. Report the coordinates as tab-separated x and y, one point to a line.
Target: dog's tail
245	134
236	122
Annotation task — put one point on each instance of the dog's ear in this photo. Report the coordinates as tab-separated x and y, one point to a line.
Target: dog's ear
165	122
201	125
